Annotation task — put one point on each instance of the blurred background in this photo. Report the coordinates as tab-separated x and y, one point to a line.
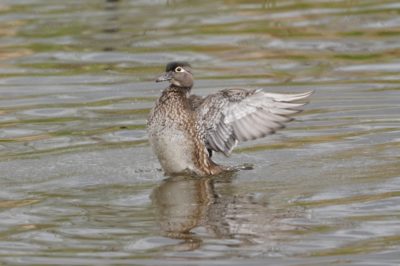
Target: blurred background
80	185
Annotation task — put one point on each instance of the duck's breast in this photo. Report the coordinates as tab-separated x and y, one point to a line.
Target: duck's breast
174	150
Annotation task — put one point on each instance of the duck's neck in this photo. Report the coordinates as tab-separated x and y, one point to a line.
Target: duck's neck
183	90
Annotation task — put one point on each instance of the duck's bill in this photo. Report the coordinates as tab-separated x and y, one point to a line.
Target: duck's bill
167	76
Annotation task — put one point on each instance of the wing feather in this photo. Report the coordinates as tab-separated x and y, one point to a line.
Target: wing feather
233	115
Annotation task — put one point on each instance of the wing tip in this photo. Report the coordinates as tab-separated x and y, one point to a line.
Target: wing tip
288	98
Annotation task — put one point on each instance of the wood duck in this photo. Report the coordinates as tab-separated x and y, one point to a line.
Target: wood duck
184	129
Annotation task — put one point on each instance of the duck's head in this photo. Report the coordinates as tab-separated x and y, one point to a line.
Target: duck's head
178	74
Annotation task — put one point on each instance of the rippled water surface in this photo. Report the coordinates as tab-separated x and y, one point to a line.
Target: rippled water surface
80	186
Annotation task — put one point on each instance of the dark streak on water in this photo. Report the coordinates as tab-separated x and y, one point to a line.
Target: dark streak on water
80	185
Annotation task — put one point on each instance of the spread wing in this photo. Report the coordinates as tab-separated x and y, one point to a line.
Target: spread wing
233	115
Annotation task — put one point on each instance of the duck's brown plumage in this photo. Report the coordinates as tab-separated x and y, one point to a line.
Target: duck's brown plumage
183	128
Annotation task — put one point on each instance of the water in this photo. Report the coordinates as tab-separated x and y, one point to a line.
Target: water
80	185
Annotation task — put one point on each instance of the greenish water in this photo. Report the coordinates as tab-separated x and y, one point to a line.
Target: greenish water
80	185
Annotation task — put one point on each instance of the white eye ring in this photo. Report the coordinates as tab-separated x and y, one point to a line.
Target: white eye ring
178	69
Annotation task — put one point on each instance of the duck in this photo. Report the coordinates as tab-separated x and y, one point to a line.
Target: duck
185	129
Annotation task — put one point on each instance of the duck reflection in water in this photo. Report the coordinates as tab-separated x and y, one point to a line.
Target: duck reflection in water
196	209
183	204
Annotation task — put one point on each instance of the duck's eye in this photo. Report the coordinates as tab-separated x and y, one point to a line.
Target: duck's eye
178	69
